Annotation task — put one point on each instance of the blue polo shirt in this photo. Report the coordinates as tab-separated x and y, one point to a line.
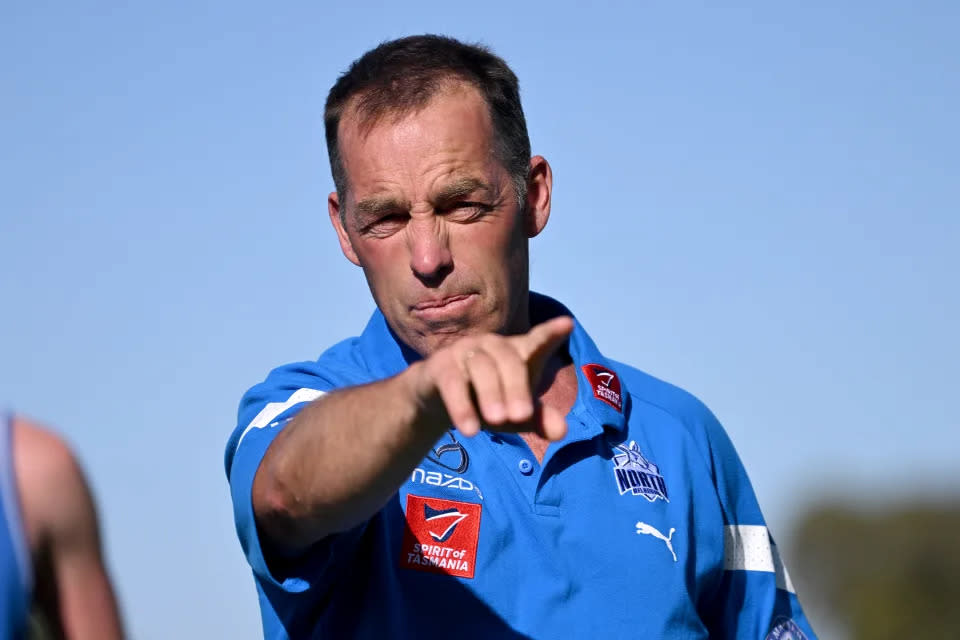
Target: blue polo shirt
640	523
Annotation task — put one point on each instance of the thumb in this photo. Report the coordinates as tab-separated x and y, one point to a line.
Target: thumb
538	344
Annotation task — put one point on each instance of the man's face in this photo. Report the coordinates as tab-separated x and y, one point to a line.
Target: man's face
432	218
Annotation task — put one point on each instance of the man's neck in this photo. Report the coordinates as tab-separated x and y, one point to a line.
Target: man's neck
558	390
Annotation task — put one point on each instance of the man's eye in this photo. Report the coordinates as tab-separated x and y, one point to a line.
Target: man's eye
385	224
467	210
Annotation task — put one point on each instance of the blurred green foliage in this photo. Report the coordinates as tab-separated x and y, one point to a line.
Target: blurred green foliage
882	572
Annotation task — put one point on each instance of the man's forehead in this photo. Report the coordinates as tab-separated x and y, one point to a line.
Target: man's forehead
366	111
450	143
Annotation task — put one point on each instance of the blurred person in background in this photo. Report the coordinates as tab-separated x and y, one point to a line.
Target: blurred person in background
472	465
54	583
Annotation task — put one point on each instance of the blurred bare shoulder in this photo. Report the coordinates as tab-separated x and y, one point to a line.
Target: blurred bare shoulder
50	482
72	593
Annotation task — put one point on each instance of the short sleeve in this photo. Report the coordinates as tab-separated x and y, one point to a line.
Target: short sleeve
264	411
755	597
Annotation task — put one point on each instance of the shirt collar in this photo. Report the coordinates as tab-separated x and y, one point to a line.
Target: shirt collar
383	353
602	398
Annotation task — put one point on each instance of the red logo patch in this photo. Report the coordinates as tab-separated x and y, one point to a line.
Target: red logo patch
441	536
605	383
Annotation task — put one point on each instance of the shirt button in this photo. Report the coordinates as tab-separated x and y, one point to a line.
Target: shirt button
526	467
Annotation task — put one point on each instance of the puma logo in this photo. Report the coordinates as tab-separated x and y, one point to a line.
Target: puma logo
644	528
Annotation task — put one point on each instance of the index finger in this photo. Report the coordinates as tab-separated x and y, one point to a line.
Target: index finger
542	340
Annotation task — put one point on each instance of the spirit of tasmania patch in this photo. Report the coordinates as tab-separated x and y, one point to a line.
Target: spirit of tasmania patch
605	384
441	536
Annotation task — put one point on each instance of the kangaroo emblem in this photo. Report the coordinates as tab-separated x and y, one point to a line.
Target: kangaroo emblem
644	528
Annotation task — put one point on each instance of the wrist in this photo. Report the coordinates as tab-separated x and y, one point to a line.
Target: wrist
423	396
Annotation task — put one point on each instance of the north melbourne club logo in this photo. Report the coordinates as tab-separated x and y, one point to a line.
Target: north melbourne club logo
636	474
605	384
441	536
786	629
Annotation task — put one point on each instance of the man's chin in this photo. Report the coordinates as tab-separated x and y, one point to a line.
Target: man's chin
438	337
428	338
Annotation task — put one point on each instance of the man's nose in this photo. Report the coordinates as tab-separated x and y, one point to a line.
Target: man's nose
430	257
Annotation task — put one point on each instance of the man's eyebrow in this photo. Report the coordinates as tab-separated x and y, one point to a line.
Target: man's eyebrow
374	206
462	187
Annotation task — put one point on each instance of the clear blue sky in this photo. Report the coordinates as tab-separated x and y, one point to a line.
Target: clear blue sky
760	204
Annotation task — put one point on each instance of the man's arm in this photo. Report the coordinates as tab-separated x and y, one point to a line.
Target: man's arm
343	456
74	591
754	597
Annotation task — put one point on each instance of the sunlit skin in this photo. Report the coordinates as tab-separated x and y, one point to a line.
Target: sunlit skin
433	219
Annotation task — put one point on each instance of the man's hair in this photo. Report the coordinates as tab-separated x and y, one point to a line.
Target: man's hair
400	77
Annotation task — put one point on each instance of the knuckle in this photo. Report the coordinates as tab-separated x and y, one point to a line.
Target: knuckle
443	360
491	339
466	343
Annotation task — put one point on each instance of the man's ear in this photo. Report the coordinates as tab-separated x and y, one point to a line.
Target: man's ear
539	190
333	207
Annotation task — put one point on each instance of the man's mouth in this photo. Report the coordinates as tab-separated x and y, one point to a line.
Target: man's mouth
442	308
434	303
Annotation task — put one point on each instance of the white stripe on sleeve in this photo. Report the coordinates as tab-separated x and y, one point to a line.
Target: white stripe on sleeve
272	409
747	547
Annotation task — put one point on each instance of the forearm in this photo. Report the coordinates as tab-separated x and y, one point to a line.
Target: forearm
340	459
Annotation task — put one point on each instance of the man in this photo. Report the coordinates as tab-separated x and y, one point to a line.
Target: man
49	542
472	465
